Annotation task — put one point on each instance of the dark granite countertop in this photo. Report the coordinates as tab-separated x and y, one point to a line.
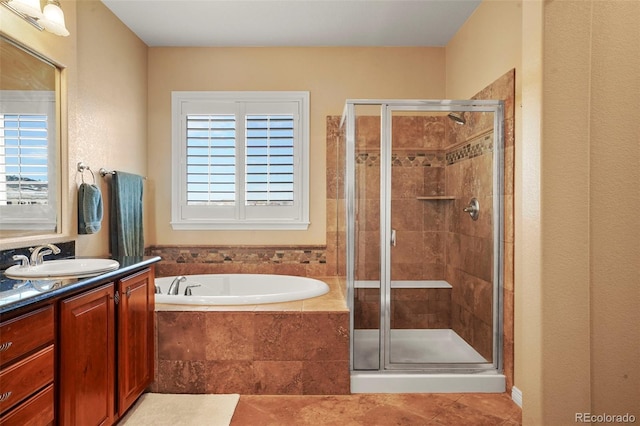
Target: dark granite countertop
18	295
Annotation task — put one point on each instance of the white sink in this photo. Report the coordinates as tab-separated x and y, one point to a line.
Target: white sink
63	268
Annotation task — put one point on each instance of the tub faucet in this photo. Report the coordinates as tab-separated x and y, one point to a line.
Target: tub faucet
37	254
174	288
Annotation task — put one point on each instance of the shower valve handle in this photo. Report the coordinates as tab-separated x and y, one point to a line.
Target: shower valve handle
473	209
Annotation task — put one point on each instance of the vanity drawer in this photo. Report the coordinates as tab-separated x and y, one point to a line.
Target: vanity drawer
23	334
36	411
25	377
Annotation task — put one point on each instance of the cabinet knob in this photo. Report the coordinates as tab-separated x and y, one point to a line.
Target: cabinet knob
5	396
5	346
128	292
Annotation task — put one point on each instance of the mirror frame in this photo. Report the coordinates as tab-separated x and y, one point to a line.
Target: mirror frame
55	138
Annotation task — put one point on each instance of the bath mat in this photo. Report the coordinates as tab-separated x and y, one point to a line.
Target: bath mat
158	409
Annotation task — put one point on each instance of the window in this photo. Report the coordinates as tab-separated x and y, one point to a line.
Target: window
240	160
27	187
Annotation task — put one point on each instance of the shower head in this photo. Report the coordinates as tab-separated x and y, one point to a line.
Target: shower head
457	116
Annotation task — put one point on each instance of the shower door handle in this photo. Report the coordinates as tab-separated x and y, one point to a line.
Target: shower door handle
393	237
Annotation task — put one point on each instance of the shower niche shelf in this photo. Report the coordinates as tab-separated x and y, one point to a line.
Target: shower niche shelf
437	198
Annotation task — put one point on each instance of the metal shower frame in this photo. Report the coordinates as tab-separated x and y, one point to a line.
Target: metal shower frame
387	106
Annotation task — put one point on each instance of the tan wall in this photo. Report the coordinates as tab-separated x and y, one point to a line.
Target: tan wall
565	221
615	200
487	46
112	109
331	75
528	258
590	238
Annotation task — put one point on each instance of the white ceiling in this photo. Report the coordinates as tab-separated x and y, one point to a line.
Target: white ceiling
293	22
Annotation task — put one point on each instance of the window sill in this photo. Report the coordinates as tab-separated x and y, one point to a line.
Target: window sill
239	226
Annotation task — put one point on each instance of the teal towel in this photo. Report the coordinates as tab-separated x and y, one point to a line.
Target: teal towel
89	209
125	226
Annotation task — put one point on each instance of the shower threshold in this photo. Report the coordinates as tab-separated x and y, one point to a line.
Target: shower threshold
438	346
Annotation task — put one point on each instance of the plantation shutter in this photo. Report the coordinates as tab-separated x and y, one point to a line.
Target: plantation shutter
269	160
24	158
211	159
28	158
240	160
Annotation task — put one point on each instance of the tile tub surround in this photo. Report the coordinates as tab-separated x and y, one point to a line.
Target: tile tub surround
293	348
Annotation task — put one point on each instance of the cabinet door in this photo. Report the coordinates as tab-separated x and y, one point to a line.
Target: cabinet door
87	353
135	337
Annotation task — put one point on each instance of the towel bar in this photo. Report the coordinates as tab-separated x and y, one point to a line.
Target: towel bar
82	168
104	172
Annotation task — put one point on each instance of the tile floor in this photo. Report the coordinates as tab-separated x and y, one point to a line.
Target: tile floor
377	410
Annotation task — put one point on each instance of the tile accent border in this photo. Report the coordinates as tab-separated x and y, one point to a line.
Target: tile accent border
478	146
300	260
409	159
240	254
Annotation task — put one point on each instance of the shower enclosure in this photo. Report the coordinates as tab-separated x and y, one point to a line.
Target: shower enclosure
423	184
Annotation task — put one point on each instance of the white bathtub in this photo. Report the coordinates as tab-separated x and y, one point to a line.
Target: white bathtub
240	289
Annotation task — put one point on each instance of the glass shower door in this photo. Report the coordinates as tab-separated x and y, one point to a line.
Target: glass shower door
437	264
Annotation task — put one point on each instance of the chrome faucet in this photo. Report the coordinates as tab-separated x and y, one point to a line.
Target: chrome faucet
174	288
37	253
24	260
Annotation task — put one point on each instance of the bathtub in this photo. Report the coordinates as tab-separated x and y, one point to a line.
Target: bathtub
239	289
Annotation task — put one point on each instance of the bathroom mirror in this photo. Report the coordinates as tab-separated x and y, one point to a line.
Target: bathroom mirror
29	142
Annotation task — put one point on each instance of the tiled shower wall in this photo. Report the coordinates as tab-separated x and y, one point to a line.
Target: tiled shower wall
469	244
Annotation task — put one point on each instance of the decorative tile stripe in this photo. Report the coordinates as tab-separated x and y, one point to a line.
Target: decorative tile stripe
244	254
413	159
474	148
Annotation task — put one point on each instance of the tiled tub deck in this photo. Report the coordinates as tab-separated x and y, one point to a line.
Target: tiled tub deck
293	348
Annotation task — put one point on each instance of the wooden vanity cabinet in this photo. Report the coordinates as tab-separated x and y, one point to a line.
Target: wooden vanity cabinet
113	322
135	337
87	345
27	368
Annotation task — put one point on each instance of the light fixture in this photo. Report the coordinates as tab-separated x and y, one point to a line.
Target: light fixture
51	19
28	7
